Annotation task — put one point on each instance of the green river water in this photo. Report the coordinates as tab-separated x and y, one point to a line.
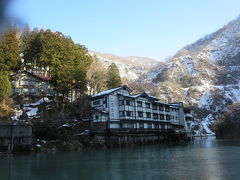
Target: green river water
205	158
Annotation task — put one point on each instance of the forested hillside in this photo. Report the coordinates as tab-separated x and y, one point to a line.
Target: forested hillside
73	72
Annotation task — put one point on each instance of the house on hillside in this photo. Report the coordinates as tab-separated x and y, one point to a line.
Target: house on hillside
25	83
118	110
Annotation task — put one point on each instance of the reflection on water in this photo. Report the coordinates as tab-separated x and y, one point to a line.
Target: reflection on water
205	158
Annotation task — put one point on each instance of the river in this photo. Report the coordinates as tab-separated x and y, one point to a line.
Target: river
205	158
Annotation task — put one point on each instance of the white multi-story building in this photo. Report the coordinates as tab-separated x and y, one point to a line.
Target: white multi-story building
117	109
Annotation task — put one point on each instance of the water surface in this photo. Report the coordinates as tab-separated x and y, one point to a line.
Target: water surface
201	159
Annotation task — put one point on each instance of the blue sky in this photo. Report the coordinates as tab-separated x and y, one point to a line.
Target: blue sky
150	28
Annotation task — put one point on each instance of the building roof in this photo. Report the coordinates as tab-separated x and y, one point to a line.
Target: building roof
43	78
177	104
154	98
136	95
144	95
109	91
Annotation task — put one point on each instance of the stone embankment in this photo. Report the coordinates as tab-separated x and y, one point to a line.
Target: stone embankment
73	144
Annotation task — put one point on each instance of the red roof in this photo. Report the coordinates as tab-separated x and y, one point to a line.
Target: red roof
45	78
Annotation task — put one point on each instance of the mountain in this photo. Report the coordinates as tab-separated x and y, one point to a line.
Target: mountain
204	75
131	68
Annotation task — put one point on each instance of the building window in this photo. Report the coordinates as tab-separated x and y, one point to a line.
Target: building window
167	109
140	114
188	119
96	116
121	113
129	113
155	116
174	110
125	125
139	104
154	107
149	125
131	126
156	126
97	102
148	115
168	117
121	102
141	126
105	102
161	116
161	107
128	102
147	105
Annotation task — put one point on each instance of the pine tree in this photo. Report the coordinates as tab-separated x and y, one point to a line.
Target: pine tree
113	77
5	88
10	59
64	60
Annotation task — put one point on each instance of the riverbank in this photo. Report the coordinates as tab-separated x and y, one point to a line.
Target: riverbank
63	136
74	144
76	136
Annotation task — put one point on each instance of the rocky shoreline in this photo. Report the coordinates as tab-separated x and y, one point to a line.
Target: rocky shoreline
76	144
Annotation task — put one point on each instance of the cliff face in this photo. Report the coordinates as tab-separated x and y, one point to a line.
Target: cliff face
130	68
205	74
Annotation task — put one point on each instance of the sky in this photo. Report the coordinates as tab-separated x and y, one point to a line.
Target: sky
150	28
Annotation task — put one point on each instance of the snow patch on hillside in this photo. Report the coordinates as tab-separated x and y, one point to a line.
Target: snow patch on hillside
189	65
31	110
40	101
207	122
17	115
205	100
131	68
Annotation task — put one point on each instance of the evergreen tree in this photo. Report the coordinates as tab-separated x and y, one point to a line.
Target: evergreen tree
5	88
61	58
113	76
227	124
10	59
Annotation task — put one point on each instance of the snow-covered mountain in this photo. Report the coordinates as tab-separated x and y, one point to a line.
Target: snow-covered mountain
204	74
131	67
